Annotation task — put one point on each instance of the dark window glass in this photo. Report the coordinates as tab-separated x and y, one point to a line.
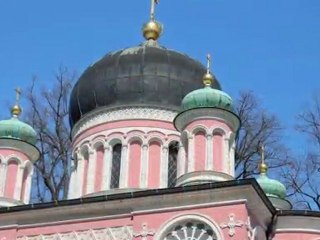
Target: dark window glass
116	166
191	231
172	164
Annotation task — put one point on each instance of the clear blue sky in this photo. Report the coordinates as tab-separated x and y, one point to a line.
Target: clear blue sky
269	46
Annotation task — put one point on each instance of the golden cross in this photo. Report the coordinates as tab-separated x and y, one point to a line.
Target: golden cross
262	154
153	5
18	94
208	63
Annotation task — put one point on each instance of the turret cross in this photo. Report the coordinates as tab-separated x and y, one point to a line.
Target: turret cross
153	5
262	154
208	63
232	224
18	94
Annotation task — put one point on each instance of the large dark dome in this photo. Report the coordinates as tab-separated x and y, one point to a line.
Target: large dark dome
144	75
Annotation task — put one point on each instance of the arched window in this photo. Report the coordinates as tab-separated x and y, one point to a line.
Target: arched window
116	166
172	164
191	230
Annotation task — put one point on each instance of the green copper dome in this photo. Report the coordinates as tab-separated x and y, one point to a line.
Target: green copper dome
207	97
271	187
16	129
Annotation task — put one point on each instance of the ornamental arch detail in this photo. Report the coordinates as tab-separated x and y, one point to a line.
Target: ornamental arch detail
189	227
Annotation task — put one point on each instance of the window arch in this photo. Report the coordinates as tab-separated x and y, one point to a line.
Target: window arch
116	166
190	230
172	163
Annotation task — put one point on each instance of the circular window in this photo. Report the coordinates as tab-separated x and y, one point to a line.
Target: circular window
191	230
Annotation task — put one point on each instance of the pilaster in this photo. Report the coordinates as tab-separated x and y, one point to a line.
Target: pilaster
209	161
144	167
181	161
191	146
3	176
164	167
18	186
78	186
91	170
27	191
107	167
124	169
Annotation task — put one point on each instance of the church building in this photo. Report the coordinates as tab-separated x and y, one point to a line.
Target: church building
153	145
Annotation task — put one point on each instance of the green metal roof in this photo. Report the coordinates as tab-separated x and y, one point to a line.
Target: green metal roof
207	97
271	187
15	129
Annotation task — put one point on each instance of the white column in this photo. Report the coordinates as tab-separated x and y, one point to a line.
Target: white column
3	175
124	169
17	189
28	184
181	161
144	166
73	176
107	167
226	160
209	162
78	186
164	167
190	154
91	171
232	159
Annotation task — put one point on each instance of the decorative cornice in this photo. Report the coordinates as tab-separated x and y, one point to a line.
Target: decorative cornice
116	233
122	113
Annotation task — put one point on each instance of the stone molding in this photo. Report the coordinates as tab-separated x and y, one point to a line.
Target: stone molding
122	113
116	233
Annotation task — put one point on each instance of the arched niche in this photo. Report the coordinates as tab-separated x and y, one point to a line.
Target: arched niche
13	164
154	162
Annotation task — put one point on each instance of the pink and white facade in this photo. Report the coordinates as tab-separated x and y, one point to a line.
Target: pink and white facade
142	169
16	170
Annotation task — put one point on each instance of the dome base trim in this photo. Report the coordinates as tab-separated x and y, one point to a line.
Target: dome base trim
202	177
107	114
28	149
184	118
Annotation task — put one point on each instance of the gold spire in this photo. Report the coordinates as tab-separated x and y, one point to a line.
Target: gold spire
263	165
152	29
208	77
16	109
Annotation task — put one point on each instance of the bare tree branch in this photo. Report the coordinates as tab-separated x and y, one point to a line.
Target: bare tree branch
48	114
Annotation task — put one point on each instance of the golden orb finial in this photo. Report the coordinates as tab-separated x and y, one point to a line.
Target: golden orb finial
208	77
263	165
152	29
16	109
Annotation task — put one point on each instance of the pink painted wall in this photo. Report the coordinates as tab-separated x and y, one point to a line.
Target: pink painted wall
154	165
208	123
85	173
12	170
297	236
155	220
99	169
200	151
217	140
7	152
123	124
134	164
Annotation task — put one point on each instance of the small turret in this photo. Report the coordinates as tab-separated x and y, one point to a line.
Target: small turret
17	153
274	189
208	127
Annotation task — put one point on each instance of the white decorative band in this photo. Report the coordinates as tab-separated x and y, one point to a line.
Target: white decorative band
104	115
91	234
